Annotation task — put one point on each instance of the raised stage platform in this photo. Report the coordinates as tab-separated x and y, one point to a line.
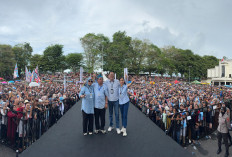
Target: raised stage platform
65	139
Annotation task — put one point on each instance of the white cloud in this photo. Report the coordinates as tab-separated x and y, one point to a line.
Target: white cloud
202	26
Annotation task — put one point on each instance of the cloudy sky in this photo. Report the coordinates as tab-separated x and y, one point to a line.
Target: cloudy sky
203	26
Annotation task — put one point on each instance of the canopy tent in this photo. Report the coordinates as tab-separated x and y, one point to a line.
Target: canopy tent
204	83
67	71
34	84
196	82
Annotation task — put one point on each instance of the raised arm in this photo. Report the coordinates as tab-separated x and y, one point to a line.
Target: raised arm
128	85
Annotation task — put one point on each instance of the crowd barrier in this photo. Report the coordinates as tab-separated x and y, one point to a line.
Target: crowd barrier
18	130
187	126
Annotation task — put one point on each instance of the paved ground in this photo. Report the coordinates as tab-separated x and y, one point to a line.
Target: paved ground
6	152
208	148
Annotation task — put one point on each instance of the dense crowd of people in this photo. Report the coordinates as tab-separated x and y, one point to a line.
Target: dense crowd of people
186	112
28	112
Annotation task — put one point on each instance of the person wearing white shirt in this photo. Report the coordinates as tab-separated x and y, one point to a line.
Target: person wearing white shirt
113	98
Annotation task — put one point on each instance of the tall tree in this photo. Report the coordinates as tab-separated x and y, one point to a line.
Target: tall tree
94	46
53	58
135	57
22	53
35	60
117	52
152	59
74	60
7	61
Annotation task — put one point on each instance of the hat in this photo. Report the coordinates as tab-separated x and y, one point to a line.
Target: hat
99	76
26	101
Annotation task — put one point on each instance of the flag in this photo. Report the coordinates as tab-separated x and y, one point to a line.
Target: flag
37	79
222	59
27	75
16	72
32	76
37	70
64	84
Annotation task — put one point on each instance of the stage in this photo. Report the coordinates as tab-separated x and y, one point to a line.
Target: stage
65	139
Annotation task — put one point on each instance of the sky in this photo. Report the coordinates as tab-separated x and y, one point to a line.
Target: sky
203	26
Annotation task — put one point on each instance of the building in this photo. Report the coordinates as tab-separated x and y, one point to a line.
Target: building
221	74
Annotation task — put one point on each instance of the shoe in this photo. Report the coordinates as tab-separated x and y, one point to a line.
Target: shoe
122	130
219	151
118	131
90	133
190	141
110	128
96	131
85	134
124	133
103	131
227	154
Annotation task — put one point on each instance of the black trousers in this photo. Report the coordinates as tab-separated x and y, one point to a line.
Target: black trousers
225	139
87	122
99	116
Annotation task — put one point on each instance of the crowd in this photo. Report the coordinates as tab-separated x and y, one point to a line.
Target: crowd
28	112
186	112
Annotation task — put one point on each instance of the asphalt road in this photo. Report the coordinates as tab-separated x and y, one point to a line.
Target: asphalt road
6	152
208	148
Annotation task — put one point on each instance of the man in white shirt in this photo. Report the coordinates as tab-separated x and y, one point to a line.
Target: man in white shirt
113	98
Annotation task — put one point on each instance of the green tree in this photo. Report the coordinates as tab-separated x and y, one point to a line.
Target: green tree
152	59
53	58
94	46
35	60
74	61
22	53
135	58
7	61
117	53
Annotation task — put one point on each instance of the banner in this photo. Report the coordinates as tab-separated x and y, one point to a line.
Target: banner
126	74
81	76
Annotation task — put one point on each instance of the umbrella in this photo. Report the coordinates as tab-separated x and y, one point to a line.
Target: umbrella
176	81
33	84
1	78
4	82
11	82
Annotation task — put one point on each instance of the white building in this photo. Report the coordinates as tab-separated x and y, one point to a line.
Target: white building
221	74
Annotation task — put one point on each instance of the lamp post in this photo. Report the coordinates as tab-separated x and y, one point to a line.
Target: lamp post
189	73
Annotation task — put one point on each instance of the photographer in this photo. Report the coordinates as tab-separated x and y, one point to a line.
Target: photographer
223	128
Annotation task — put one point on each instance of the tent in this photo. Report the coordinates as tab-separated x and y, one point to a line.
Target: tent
33	84
196	82
204	83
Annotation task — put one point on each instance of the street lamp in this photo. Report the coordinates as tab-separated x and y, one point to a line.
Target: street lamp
189	73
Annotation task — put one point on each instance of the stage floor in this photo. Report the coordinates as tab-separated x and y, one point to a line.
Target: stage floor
65	139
